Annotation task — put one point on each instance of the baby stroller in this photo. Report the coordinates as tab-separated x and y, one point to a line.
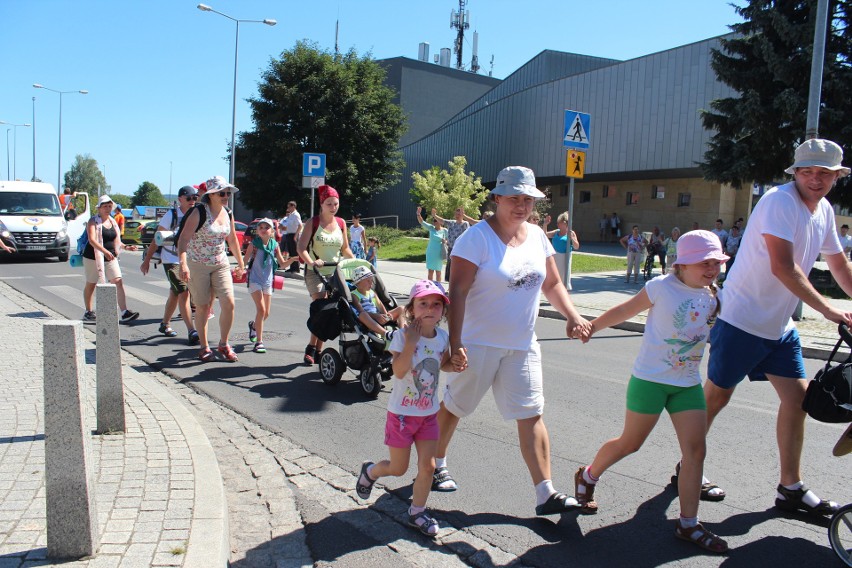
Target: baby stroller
829	399
358	348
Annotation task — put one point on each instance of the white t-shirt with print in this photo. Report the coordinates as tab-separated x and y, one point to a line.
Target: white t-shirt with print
676	332
168	254
753	299
416	394
502	304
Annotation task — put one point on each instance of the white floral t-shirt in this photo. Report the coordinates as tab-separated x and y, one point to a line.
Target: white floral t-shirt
676	332
416	394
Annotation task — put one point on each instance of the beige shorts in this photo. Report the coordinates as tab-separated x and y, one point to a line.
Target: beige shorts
513	376
313	282
206	281
111	270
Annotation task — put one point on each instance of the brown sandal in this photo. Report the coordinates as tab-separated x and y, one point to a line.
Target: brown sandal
701	537
586	498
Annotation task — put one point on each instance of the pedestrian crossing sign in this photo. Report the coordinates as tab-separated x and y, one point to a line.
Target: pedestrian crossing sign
577	130
575	164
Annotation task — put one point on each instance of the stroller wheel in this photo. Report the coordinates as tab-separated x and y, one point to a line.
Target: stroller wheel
840	534
371	381
331	366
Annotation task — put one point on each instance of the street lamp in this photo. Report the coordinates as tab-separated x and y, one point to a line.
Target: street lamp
15	144
268	22
34	139
59	157
8	130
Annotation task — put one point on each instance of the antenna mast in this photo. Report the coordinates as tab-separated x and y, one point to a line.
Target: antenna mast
461	21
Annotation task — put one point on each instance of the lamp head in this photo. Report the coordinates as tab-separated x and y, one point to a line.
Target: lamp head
84	92
38	85
269	22
204	7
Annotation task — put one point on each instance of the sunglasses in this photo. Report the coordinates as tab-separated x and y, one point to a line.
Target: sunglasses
191	197
225	193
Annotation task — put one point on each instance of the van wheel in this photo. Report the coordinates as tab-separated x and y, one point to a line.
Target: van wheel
331	366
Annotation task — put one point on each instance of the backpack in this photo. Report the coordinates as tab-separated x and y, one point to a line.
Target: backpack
83	240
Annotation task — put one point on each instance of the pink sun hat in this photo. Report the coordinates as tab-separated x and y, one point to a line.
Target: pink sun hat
426	288
697	246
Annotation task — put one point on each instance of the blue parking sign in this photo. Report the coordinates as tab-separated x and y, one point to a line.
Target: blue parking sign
313	165
577	130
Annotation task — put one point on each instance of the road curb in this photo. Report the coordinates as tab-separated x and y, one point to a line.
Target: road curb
209	538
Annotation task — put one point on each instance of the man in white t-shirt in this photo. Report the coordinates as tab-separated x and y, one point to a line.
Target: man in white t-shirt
178	290
720	232
292	226
845	240
754	335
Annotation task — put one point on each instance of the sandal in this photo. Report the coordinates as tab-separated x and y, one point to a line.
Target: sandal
228	353
793	501
555	504
205	355
259	348
442	481
709	491
364	488
585	498
166	330
310	355
702	538
252	332
424	523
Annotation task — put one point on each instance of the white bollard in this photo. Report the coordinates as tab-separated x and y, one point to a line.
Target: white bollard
108	363
72	524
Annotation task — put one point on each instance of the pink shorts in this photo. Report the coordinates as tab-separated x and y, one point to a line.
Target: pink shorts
402	431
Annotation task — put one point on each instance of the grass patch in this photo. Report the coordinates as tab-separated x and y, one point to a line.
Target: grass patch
410	249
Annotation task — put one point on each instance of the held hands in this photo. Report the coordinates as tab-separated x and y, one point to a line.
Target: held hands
580	328
239	271
458	359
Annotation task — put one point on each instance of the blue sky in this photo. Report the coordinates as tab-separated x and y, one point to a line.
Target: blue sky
160	72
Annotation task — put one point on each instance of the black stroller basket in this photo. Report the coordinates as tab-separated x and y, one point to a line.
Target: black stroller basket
829	394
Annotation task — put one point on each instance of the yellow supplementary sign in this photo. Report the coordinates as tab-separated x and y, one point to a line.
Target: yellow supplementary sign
575	163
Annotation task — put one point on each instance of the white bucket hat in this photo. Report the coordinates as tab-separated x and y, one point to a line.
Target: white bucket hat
218	183
516	180
819	153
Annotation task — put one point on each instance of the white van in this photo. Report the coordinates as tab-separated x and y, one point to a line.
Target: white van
32	221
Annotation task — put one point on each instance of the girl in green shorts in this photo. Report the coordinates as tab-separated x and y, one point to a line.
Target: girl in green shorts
682	307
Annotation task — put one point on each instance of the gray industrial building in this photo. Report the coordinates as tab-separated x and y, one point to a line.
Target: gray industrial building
645	136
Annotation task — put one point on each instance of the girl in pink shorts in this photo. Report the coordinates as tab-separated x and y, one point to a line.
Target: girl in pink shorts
420	351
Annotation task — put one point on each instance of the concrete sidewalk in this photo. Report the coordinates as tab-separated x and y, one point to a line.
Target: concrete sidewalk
159	493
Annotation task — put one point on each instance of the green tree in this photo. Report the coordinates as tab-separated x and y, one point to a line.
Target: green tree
124	200
85	175
148	194
446	191
312	101
768	65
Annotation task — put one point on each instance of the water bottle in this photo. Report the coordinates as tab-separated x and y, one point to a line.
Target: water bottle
164	237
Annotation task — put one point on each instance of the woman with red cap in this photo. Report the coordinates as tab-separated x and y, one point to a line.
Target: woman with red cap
326	241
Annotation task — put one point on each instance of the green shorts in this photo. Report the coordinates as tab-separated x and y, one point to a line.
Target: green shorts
645	397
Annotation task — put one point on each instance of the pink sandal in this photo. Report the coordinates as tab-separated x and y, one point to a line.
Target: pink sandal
228	353
205	354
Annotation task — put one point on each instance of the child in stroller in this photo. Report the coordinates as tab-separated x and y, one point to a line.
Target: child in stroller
361	347
369	309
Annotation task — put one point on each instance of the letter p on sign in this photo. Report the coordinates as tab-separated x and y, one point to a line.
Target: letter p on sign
313	165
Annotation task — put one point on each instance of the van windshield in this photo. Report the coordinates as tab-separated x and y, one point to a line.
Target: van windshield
22	203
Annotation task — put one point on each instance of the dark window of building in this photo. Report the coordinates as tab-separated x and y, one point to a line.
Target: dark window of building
658	192
605	192
585	196
683	199
632	198
563	191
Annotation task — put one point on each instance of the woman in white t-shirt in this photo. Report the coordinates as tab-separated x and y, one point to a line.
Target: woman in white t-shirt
506	263
682	307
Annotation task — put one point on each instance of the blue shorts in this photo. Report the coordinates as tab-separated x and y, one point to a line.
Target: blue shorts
735	354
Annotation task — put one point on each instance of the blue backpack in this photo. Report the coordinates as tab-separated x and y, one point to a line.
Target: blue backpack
83	241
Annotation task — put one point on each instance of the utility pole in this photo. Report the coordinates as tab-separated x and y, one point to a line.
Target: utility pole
817	60
461	21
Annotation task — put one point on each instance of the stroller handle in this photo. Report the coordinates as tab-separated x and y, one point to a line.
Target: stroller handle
845	334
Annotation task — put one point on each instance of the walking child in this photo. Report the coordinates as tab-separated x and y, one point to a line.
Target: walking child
682	307
263	257
419	351
373	250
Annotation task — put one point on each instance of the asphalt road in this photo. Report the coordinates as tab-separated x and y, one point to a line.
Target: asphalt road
585	387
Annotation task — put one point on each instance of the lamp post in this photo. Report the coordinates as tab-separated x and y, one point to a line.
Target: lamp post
15	145
268	22
8	174
59	156
34	138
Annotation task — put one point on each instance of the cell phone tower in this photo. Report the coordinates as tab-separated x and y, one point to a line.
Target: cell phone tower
461	21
